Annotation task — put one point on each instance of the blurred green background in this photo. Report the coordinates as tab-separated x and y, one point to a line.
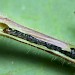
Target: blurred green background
55	18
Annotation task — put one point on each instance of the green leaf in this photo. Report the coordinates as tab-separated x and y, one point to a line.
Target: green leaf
55	18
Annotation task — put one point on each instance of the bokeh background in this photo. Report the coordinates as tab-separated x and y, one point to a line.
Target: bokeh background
55	18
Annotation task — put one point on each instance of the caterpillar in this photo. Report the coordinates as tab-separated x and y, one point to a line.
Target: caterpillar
39	42
31	37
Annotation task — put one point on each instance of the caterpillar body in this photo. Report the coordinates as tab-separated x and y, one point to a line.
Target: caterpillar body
25	35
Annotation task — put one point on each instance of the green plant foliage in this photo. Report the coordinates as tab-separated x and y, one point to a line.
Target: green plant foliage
55	18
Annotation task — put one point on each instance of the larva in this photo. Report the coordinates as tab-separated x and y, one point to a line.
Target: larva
39	42
23	34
